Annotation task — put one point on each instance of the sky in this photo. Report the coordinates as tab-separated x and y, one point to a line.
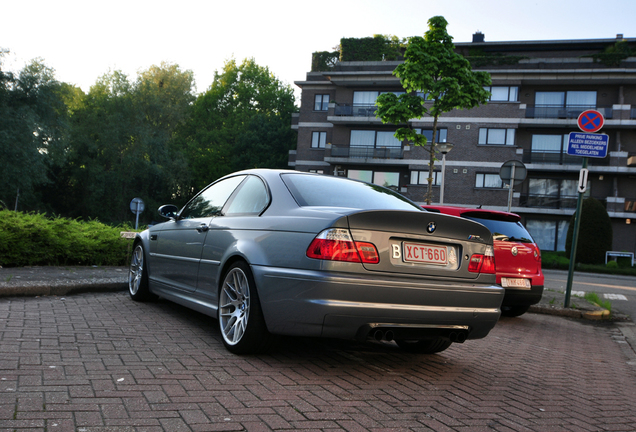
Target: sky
83	40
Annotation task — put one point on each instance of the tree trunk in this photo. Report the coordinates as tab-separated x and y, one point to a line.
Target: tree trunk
431	163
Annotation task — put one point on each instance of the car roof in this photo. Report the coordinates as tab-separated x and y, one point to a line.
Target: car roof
474	212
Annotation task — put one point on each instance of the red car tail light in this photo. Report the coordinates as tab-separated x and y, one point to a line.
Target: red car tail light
336	244
483	263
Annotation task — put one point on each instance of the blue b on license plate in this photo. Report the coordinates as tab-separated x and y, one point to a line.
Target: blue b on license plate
423	253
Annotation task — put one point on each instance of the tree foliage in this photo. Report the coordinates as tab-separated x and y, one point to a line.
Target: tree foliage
120	144
32	123
595	233
436	80
242	121
87	155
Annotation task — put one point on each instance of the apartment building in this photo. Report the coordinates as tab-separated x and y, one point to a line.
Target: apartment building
539	88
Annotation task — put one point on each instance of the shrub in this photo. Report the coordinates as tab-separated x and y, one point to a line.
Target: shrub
28	239
595	233
612	264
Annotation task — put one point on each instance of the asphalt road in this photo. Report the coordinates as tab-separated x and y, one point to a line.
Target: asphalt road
619	290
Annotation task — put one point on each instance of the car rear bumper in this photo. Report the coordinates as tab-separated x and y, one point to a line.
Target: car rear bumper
520	297
351	306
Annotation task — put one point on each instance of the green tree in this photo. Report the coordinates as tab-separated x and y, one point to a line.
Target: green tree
595	233
436	80
120	145
33	120
242	121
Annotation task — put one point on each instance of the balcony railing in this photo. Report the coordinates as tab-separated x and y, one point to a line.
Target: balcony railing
347	110
565	112
547	201
368	152
558	158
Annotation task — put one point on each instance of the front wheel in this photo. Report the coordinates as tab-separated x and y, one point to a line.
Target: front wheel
138	276
424	346
240	315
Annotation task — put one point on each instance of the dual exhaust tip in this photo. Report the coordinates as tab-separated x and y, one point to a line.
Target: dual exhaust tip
388	336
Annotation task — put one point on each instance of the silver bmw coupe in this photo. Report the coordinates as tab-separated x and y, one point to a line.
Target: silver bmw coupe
275	252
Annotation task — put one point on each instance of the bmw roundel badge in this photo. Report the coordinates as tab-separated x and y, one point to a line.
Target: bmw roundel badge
514	251
431	227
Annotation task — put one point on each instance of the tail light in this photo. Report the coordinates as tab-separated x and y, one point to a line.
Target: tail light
336	244
483	263
537	254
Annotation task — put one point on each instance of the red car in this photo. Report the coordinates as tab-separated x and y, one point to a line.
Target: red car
517	256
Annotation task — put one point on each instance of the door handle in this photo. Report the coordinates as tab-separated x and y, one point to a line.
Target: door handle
203	228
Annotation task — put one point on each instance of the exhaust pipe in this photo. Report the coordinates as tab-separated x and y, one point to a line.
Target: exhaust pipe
457	337
378	335
388	336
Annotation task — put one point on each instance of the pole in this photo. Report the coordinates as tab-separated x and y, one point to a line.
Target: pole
137	214
16	199
575	237
512	182
441	189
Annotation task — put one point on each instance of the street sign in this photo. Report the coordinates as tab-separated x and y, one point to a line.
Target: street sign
590	121
137	206
588	144
506	172
583	180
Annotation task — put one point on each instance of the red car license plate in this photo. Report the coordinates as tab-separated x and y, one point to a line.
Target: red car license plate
516	283
423	253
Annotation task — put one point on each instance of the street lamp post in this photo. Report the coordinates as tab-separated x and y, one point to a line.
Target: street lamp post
443	148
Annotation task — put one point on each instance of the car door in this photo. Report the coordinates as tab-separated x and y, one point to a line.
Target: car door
238	222
176	250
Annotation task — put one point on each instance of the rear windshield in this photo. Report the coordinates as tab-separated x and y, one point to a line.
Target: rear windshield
505	231
327	191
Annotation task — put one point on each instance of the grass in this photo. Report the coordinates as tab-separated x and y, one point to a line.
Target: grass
592	297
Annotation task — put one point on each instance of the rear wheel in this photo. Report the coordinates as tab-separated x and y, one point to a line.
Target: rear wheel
424	346
138	276
240	315
514	311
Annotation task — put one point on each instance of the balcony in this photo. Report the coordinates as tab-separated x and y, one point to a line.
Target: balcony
633	113
367	152
564	112
559	158
348	110
547	201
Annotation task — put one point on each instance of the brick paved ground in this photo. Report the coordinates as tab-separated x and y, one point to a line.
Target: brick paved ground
100	362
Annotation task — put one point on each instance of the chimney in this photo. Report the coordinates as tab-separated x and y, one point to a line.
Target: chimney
619	36
478	37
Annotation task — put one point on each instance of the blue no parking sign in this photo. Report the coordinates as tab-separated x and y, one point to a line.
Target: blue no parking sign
588	144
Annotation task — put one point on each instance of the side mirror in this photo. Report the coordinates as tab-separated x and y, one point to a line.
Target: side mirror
169	211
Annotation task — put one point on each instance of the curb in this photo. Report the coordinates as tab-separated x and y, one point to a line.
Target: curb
62	289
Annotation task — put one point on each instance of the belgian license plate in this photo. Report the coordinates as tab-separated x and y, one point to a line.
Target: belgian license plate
515	283
423	253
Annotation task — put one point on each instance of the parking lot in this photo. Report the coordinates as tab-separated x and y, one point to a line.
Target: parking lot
100	362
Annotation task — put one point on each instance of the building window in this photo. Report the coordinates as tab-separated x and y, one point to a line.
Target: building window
364	98
370	138
553	193
549	235
318	139
421	178
503	93
563	104
381	178
490	136
316	171
491	181
442	134
321	102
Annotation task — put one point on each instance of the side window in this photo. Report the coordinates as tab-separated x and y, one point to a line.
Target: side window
210	201
250	199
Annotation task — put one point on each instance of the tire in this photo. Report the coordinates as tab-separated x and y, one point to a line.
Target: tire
138	287
240	315
514	311
424	346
